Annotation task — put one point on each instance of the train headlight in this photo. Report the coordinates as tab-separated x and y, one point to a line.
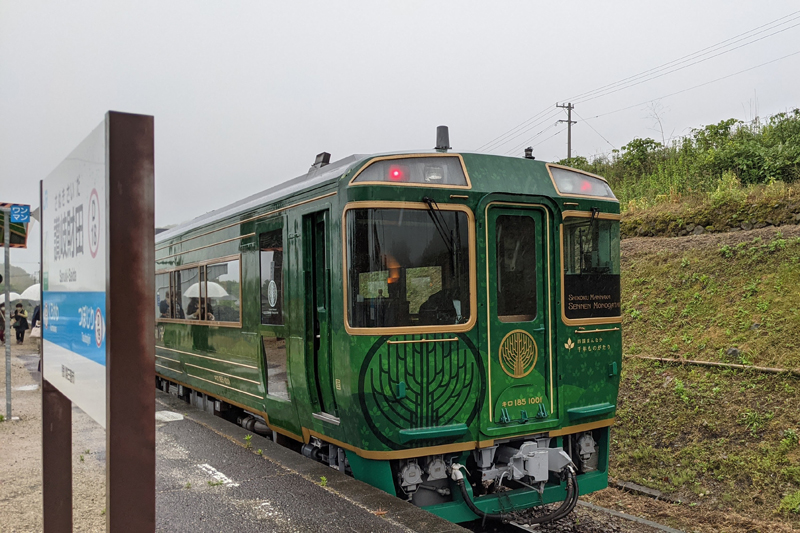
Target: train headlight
398	173
577	183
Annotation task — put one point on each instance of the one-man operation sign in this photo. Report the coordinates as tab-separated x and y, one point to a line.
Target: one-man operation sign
74	275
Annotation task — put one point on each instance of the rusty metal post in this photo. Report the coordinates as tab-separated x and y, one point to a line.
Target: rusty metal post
56	460
56	445
130	400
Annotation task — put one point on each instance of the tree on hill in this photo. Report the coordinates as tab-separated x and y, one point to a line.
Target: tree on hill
755	153
20	279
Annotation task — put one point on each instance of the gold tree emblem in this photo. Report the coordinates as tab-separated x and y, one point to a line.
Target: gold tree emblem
569	344
518	353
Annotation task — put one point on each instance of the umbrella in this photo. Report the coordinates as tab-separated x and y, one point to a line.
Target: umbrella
11	296
31	293
214	290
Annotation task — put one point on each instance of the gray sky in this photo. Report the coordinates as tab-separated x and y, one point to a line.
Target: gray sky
245	94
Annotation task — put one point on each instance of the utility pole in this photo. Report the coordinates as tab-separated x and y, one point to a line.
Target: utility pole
7	315
569	107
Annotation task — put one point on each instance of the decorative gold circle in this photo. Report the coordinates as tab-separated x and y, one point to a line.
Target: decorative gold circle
518	353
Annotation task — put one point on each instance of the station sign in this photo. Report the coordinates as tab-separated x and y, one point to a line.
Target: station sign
74	275
20	216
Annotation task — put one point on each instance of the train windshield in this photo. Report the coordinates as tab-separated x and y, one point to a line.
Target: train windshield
591	268
407	267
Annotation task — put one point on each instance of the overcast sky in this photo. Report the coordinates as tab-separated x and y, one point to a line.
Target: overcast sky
245	94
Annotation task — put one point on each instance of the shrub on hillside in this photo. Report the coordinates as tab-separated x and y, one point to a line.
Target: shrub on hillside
754	153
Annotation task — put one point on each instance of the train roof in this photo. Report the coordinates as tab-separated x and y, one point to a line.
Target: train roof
315	177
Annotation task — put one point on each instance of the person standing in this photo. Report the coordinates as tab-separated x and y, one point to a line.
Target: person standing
20	322
36	317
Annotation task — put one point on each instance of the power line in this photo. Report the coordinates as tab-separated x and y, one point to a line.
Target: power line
693	87
519	146
507	132
688	57
597	132
625	83
681	67
551	116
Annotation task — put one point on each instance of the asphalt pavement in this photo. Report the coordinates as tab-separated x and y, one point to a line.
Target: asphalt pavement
210	477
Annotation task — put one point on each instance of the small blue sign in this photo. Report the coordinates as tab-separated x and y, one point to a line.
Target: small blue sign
20	214
76	321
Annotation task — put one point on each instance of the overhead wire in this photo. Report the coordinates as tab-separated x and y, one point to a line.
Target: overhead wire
689	57
550	116
653	73
519	146
579	101
594	130
694	86
486	146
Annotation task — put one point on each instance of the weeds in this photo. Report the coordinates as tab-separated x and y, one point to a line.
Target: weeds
790	440
680	391
755	421
790	503
247	441
323	481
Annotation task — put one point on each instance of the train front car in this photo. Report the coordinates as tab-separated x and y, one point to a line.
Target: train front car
481	305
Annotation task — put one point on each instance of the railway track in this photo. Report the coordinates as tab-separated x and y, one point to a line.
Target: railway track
586	518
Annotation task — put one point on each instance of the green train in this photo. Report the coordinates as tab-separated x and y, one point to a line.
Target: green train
442	325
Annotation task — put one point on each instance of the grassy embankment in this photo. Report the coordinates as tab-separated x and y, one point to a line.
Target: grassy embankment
721	440
717	438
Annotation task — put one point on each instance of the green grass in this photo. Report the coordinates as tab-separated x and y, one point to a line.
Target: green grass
728	298
721	439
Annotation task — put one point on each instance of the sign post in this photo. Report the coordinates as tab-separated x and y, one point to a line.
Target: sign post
19	214
98	275
7	312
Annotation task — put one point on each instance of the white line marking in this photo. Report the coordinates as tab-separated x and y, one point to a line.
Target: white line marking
218	476
168	416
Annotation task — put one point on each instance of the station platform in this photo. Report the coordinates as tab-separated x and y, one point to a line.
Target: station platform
210	477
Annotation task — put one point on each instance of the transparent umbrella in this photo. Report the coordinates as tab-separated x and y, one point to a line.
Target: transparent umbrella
215	290
31	293
12	296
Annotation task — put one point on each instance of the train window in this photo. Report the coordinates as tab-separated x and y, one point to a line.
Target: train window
407	267
163	308
516	268
591	268
277	377
271	255
186	285
444	170
223	291
573	183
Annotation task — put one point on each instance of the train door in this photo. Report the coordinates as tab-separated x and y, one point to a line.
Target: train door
318	331
520	357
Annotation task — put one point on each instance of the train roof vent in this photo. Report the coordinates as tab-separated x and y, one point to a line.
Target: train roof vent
322	159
